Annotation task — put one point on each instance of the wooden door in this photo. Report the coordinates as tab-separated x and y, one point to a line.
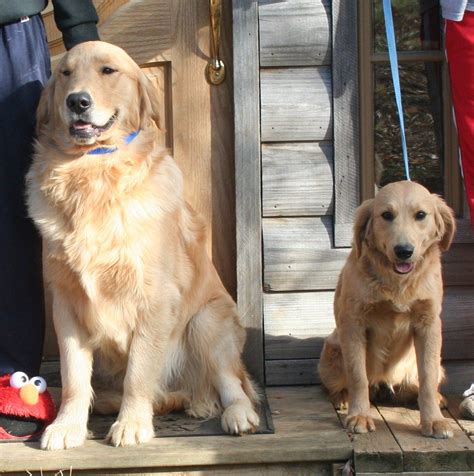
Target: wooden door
170	40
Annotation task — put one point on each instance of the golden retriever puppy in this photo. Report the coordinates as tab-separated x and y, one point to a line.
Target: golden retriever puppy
387	307
134	291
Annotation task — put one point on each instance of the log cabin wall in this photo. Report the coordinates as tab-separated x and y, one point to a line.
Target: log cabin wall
310	181
300	262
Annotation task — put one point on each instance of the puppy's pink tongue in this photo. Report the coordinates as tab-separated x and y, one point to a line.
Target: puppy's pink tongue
403	268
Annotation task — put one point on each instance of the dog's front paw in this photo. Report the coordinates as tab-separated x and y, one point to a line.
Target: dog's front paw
359	424
61	436
437	429
130	432
239	418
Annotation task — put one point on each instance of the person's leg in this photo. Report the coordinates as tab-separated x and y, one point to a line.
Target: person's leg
25	69
460	54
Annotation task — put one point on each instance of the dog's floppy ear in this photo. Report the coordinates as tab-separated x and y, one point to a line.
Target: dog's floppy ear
149	104
44	111
445	223
362	225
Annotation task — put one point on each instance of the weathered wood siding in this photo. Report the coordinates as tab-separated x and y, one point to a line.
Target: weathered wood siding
298	206
310	188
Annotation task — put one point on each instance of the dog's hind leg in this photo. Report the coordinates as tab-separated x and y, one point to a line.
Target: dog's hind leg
218	338
331	371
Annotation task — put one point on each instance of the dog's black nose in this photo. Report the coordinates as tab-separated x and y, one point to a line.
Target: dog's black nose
404	251
79	102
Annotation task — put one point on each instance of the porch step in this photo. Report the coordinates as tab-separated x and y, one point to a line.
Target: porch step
308	440
398	448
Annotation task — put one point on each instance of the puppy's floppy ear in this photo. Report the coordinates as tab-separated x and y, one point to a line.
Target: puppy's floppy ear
362	225
149	104
445	223
45	107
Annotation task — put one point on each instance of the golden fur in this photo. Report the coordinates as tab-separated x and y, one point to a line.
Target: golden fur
388	326
134	292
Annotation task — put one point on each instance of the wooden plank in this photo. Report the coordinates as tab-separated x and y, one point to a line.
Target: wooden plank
422	473
297	323
277	469
292	372
376	451
296	104
458	323
297	179
453	408
425	454
464	232
315	437
458	265
248	180
346	117
459	375
305	372
298	254
309	407
295	33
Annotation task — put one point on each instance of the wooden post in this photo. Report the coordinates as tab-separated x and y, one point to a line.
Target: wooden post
248	179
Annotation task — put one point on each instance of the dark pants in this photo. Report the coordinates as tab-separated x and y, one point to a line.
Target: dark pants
24	70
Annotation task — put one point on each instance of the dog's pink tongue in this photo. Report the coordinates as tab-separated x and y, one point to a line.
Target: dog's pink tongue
403	268
82	125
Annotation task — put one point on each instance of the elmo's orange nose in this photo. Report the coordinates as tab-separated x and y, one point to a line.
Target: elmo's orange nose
29	394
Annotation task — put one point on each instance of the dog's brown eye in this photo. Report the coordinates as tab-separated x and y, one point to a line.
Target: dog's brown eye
66	72
107	70
420	215
389	216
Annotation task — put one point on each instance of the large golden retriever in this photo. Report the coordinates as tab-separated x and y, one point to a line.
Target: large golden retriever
387	307
134	291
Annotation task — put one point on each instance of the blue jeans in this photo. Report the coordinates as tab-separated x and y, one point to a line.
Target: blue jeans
24	70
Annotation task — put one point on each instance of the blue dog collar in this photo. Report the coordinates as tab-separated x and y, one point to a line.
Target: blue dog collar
109	150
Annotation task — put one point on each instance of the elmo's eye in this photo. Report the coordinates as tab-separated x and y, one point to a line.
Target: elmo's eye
18	379
39	383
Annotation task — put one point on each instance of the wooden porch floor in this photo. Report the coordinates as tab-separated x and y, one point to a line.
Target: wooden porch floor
397	446
308	440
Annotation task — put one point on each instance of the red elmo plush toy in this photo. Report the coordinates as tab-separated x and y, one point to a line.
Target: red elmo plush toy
26	407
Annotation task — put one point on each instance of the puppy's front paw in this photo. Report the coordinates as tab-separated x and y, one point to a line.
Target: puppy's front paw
437	429
359	424
60	436
239	418
130	432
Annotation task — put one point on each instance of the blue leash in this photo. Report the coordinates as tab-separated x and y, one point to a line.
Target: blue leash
392	52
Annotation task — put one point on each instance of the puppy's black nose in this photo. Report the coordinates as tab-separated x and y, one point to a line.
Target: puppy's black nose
404	251
79	102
